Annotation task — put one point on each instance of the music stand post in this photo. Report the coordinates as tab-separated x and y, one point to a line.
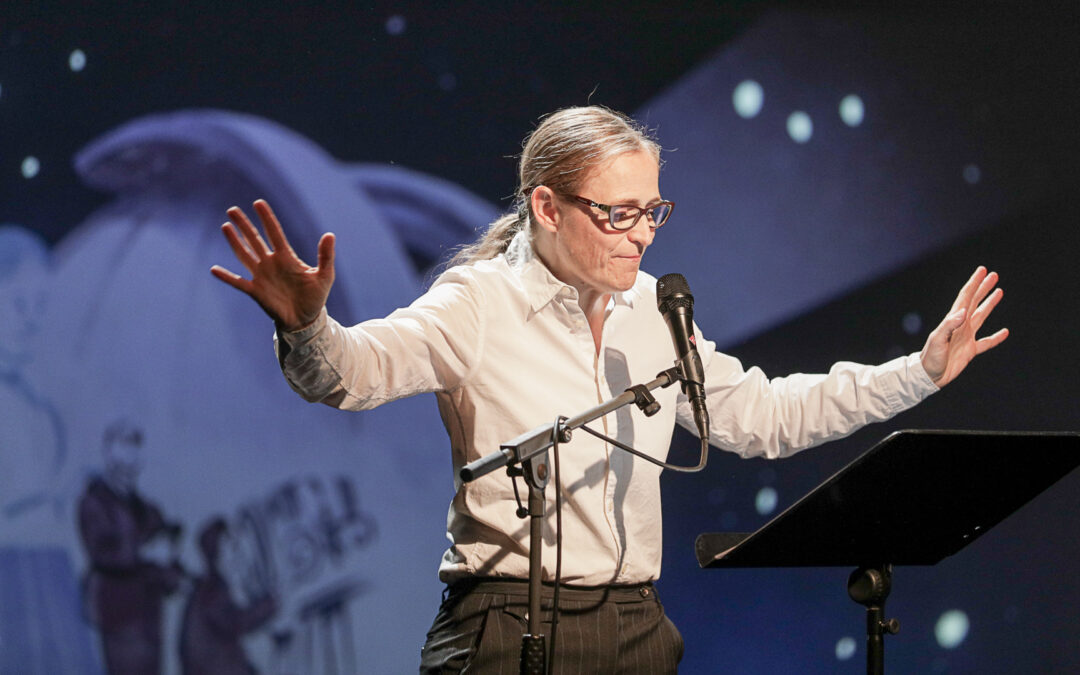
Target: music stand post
915	498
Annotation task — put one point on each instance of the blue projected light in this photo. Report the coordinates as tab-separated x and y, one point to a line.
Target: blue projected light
845	648
852	110
395	25
77	60
30	167
765	502
952	628
972	174
800	127
912	323
748	99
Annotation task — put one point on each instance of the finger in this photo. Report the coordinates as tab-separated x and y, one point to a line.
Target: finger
234	280
963	298
953	321
326	254
988	343
272	225
251	235
979	316
239	247
985	286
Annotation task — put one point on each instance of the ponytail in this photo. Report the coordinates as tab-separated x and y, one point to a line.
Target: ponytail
494	241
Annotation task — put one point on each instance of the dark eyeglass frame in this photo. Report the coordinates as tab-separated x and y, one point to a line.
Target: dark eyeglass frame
641	210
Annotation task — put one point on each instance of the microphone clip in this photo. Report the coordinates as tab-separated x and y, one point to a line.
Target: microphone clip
687	370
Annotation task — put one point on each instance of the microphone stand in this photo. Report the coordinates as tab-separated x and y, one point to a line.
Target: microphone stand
529	450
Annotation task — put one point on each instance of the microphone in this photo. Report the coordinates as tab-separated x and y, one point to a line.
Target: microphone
674	301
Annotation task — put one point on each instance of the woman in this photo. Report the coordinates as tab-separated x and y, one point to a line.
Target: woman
548	313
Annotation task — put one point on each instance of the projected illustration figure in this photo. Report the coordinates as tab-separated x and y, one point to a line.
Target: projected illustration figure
214	624
124	590
520	331
35	502
32	449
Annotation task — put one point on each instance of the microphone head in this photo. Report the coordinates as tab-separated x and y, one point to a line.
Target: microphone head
672	291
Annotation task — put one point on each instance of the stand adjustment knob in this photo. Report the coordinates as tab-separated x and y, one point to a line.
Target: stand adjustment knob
891	626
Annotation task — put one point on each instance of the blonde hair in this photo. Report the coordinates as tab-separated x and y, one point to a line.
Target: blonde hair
559	154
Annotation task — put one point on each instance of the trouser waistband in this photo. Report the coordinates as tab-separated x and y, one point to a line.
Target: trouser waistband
642	592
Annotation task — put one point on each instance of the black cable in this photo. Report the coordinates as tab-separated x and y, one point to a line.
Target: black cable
674	467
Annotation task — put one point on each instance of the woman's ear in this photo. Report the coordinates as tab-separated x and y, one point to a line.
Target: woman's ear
545	210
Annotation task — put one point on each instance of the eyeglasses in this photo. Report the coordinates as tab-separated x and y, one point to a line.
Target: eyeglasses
625	216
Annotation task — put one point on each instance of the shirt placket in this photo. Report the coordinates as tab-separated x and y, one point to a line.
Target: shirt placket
580	327
610	427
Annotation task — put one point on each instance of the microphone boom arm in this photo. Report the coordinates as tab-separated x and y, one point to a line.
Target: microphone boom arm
534	442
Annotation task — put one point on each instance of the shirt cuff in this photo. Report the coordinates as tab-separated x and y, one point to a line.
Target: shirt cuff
921	377
298	337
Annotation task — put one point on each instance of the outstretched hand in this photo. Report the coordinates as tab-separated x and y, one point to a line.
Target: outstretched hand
289	290
953	344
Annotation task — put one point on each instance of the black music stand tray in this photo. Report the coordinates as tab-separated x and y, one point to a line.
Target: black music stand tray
915	498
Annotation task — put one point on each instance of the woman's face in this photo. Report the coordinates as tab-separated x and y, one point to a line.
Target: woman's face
590	255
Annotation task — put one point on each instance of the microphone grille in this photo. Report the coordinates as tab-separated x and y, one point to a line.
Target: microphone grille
672	291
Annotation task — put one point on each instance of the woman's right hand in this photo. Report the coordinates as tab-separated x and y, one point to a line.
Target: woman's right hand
289	290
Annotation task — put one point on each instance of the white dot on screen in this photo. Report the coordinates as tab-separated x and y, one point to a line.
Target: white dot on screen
77	60
952	628
748	98
395	25
972	174
800	127
851	110
912	323
30	167
765	502
845	648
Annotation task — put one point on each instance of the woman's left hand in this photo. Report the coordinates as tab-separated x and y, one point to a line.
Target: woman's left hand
953	344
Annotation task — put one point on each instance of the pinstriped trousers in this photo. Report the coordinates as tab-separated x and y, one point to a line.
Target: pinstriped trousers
614	629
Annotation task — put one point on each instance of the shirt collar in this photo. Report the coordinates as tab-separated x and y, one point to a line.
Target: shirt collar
539	283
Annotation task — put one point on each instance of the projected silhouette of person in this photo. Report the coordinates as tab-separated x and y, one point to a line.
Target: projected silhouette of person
125	591
214	624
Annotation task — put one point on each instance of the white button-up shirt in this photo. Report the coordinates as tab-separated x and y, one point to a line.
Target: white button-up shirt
506	348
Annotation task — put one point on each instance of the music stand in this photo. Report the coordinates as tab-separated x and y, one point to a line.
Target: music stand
915	498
